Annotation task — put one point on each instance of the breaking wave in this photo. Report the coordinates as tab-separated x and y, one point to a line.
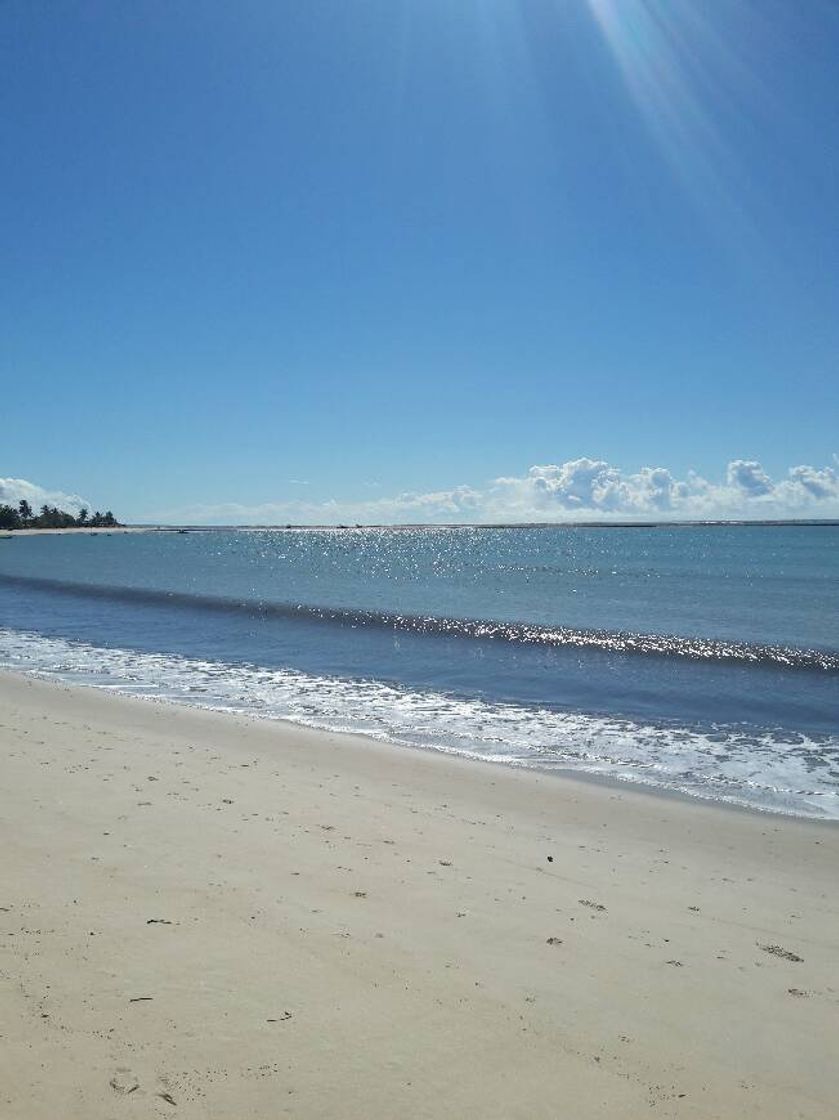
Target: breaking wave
716	650
777	770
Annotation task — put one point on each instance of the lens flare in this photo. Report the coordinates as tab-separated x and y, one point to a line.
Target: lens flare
691	73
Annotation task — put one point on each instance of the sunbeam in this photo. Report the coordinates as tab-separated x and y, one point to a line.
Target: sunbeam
690	72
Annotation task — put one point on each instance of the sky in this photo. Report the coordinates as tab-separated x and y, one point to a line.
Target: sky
409	260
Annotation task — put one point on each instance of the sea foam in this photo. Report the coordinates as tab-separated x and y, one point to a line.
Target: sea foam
781	771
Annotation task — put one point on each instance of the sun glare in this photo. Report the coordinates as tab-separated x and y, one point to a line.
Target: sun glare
691	80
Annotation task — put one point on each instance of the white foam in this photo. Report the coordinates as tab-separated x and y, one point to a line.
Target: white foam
784	772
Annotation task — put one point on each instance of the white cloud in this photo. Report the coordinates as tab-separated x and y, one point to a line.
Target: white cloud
14	490
581	486
578	489
749	476
819	484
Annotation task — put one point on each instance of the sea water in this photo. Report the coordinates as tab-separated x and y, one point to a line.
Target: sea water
703	659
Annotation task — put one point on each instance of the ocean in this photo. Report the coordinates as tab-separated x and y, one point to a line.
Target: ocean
701	659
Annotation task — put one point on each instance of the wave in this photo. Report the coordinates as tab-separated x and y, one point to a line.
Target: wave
523	633
764	769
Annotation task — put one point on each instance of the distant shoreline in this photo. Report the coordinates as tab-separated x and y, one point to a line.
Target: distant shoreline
130	529
82	529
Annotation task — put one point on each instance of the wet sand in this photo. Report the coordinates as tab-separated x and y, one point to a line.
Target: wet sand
207	916
83	530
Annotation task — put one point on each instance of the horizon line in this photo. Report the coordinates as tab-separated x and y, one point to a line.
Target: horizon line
588	524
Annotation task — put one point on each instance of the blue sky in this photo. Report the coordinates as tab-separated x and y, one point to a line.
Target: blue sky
321	261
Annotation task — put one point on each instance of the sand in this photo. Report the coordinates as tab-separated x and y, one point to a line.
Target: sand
83	530
205	916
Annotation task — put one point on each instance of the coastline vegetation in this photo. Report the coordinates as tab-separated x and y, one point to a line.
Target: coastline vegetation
23	516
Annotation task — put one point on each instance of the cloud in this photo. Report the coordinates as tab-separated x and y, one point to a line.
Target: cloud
819	484
460	504
577	489
580	486
14	490
749	476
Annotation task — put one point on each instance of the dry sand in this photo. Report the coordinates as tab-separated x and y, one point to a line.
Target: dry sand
205	916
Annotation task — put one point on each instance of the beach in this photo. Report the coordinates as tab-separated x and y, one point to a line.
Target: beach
205	915
87	531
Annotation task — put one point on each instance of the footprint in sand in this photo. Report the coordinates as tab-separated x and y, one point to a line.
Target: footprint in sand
124	1081
779	951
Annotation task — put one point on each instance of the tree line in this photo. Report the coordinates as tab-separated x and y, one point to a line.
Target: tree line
51	517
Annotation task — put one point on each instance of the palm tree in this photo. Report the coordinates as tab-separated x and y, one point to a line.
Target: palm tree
25	510
82	516
9	517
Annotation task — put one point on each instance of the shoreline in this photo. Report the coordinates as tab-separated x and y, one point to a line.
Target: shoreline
635	786
82	530
258	919
804	523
